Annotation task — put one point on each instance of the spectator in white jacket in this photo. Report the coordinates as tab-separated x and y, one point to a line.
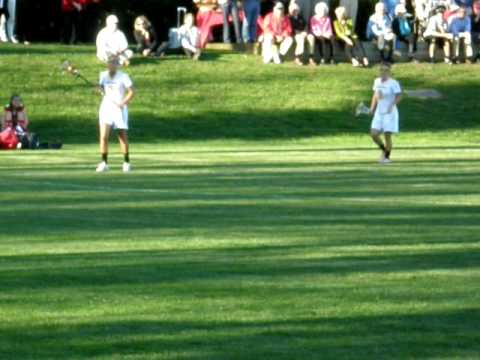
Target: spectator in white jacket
112	42
189	37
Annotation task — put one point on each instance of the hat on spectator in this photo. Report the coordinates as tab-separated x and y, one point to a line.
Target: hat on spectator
400	9
112	20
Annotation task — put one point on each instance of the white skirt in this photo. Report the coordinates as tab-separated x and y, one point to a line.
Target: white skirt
112	115
386	122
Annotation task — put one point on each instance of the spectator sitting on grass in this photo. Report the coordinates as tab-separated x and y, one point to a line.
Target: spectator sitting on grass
300	30
111	42
346	33
379	30
277	33
145	36
189	36
436	35
14	124
403	29
322	34
461	28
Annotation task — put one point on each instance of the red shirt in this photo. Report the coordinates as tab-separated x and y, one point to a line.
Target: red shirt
272	26
67	5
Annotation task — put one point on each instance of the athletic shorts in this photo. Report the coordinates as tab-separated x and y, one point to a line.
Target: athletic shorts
386	122
114	116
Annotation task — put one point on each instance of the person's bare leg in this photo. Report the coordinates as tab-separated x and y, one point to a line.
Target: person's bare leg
104	136
123	139
388	144
375	134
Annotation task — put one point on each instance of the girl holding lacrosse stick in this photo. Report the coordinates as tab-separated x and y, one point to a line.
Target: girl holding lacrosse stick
386	96
117	90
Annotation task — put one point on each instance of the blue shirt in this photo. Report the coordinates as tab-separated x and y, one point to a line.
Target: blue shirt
458	25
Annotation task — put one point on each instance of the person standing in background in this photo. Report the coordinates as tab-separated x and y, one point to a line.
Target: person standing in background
71	10
252	12
230	7
12	21
476	28
3	20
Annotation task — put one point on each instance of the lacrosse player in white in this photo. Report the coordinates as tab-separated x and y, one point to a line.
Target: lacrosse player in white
117	89
386	96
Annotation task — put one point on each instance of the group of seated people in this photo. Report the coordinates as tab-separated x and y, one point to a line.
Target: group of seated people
441	23
111	41
447	25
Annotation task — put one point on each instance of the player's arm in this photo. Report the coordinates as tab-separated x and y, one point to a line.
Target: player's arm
128	97
373	103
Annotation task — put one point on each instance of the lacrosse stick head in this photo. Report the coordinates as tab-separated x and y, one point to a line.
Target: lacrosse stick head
68	68
362	109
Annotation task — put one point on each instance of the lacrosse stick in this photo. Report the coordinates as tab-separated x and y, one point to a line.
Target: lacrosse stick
362	109
68	68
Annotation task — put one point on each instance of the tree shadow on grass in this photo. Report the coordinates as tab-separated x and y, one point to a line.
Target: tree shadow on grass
449	333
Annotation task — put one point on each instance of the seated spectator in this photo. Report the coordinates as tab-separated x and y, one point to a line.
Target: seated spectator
345	33
436	34
112	42
461	27
300	28
189	37
379	30
321	34
277	38
145	36
403	29
14	125
476	28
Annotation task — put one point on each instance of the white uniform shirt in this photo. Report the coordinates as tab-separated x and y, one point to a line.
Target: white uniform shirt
110	43
114	88
386	93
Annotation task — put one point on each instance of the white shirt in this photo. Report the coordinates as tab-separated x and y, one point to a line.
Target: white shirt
114	88
109	42
386	92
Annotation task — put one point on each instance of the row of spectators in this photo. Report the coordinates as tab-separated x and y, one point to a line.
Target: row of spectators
441	24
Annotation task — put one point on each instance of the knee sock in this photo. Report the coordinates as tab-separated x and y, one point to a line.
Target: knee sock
126	157
105	157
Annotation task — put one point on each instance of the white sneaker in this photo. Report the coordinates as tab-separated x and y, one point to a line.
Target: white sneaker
126	167
14	40
276	59
102	167
386	161
355	63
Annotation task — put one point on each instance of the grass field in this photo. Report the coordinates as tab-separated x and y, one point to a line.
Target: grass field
256	225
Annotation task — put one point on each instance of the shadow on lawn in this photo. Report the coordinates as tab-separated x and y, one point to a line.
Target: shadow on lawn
448	333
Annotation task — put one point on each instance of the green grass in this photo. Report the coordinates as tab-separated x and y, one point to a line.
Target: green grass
257	224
